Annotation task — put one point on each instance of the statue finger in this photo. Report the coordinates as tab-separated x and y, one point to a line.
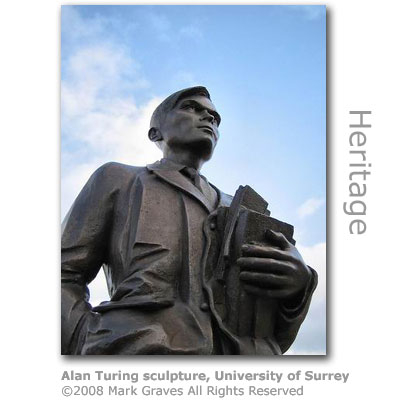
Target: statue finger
264	280
266	251
265	265
277	238
264	292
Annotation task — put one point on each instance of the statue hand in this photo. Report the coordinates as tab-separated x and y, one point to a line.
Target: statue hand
276	271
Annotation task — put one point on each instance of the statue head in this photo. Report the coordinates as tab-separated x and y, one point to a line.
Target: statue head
186	121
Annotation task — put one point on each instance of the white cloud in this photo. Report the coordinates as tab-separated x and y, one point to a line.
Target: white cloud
101	120
309	207
75	28
96	76
117	133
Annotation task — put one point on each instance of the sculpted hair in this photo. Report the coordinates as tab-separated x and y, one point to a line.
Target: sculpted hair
170	102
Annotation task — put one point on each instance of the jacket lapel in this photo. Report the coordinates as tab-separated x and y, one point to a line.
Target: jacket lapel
176	179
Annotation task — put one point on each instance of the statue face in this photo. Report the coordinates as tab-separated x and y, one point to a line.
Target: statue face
192	124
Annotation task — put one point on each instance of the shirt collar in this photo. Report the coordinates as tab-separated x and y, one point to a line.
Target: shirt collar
168	165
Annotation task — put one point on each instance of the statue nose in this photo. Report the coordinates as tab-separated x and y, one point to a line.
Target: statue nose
207	116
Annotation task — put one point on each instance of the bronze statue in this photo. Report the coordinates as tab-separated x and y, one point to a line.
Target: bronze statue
190	270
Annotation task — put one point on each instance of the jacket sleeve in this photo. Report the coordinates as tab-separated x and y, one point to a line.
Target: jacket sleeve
84	248
291	314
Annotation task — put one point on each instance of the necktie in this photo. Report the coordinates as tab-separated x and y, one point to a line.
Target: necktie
201	184
193	175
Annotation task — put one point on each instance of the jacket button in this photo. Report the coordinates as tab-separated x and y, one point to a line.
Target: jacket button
212	225
204	307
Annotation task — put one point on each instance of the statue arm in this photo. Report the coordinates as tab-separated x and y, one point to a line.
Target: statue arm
291	314
84	246
278	271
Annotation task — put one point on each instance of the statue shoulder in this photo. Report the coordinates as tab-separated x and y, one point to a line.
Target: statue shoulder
115	174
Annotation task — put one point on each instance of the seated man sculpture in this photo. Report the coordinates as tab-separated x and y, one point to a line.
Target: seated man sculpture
179	280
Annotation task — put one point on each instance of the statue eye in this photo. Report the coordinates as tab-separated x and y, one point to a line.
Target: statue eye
192	108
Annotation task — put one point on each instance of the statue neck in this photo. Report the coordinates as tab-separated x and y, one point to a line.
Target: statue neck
184	158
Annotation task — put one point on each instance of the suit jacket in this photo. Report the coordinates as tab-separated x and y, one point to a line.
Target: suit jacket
154	233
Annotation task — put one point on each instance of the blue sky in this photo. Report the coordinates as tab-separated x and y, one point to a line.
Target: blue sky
265	69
